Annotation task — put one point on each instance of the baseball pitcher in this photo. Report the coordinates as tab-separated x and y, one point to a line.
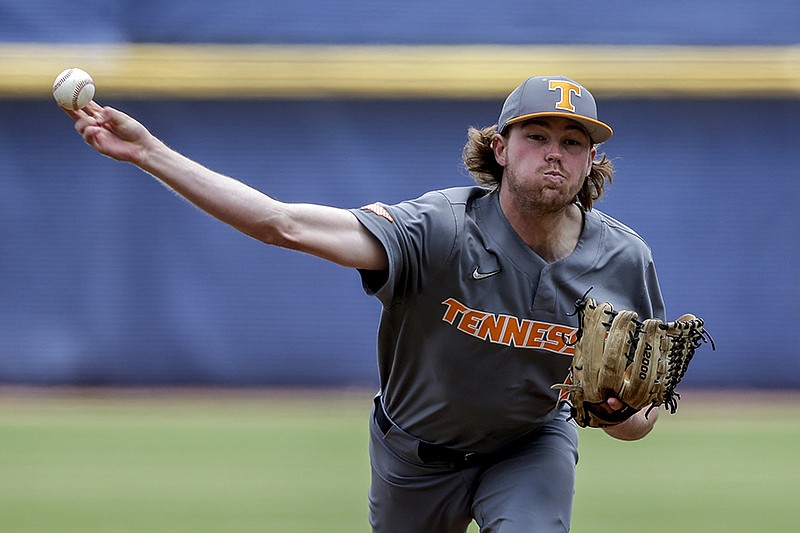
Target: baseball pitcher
513	311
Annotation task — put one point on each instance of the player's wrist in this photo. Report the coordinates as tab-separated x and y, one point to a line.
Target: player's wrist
154	156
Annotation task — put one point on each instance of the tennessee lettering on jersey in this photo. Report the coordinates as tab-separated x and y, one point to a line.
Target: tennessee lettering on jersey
509	330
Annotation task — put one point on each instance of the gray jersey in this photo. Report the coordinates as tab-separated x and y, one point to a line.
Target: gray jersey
475	324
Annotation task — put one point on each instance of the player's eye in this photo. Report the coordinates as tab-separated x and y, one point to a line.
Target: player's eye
574	143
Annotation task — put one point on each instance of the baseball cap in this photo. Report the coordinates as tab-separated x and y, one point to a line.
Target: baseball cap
553	96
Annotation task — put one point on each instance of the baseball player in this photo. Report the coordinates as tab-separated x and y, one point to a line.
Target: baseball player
478	286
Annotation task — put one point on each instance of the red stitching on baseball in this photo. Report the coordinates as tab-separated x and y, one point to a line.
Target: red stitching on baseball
62	79
78	88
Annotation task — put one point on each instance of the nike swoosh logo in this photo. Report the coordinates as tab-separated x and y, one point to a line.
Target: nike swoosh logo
476	274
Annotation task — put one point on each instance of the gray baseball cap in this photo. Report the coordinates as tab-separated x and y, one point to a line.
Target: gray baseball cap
553	96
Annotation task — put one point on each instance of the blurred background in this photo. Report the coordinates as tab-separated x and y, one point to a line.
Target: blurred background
106	279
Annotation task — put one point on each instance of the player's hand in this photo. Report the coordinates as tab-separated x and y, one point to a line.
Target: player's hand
610	406
112	132
615	404
634	428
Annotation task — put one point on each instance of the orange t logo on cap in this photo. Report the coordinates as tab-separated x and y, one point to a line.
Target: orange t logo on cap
567	89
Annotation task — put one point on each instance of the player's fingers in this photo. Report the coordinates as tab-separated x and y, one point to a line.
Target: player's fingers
94	110
88	126
123	125
105	115
615	404
111	114
93	107
74	115
93	114
90	132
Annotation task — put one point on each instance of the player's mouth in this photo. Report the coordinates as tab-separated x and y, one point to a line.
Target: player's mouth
554	175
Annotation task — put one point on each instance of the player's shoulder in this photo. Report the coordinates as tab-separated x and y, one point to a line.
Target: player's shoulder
453	196
617	230
447	206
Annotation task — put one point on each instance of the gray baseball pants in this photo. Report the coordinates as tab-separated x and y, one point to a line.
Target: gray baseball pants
528	490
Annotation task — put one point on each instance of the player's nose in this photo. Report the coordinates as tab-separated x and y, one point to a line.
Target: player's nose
552	155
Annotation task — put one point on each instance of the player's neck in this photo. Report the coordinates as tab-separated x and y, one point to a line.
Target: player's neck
552	235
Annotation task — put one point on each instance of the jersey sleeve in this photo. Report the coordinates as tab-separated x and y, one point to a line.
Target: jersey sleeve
623	271
419	238
653	304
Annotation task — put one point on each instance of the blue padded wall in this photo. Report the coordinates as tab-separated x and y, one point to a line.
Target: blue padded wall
105	277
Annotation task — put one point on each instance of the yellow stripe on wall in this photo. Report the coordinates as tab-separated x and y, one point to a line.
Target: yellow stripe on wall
469	71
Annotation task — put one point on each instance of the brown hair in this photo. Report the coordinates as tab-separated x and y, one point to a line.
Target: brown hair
479	160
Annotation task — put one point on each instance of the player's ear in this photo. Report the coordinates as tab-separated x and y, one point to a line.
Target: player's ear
592	155
499	147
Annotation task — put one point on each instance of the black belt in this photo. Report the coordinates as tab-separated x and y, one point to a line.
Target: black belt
434	453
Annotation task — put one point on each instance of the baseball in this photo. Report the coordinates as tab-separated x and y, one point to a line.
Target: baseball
73	89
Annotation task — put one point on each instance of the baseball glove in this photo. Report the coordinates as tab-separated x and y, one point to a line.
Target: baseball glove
640	363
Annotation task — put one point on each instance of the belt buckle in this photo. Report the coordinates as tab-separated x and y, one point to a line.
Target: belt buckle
464	459
434	454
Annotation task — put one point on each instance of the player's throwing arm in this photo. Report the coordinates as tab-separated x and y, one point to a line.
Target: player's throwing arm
330	233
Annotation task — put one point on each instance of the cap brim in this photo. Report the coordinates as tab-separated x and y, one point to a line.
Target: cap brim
598	131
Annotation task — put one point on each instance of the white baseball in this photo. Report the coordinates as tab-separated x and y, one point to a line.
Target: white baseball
73	89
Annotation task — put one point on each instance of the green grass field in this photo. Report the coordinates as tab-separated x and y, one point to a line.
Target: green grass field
277	461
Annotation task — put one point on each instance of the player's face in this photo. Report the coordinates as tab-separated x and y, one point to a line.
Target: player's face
545	162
